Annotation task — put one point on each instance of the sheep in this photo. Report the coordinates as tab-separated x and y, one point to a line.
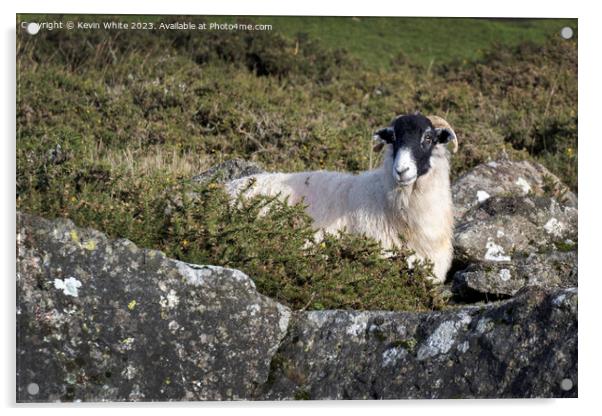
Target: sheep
408	194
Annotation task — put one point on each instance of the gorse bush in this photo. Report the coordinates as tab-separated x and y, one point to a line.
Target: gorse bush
277	248
112	125
531	93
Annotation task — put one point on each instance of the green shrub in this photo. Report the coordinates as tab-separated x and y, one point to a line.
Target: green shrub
279	251
529	97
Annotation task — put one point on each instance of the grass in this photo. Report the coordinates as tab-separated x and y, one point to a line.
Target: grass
111	126
427	41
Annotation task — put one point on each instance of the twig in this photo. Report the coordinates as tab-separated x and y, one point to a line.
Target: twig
311	299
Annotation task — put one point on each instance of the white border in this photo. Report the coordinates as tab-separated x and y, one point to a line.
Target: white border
589	178
507	8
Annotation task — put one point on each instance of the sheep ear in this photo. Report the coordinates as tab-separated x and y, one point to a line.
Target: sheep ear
382	137
444	132
385	135
445	135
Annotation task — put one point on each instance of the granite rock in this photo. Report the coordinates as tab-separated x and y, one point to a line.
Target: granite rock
524	347
550	270
507	178
101	319
501	226
228	171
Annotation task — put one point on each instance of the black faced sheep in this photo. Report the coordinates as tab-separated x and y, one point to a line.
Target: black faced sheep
408	195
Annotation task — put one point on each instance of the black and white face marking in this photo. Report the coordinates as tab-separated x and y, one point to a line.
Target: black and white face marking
413	138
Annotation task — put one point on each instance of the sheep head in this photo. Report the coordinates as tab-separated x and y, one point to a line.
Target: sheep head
412	140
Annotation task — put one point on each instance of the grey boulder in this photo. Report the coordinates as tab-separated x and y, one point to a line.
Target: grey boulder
549	270
501	226
101	319
504	178
523	347
228	171
513	237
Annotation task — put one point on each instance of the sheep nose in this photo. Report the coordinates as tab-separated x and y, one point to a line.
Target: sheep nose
402	171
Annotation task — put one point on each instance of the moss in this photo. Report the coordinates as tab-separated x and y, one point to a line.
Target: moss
565	246
380	335
277	364
408	343
89	245
302	394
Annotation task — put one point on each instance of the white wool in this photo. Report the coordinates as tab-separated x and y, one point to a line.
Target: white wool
373	204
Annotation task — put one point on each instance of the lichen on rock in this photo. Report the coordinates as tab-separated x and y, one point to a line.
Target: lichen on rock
86	333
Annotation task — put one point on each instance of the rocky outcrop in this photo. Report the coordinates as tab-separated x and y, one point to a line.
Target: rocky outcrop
524	347
501	226
551	269
229	170
101	319
516	226
507	177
